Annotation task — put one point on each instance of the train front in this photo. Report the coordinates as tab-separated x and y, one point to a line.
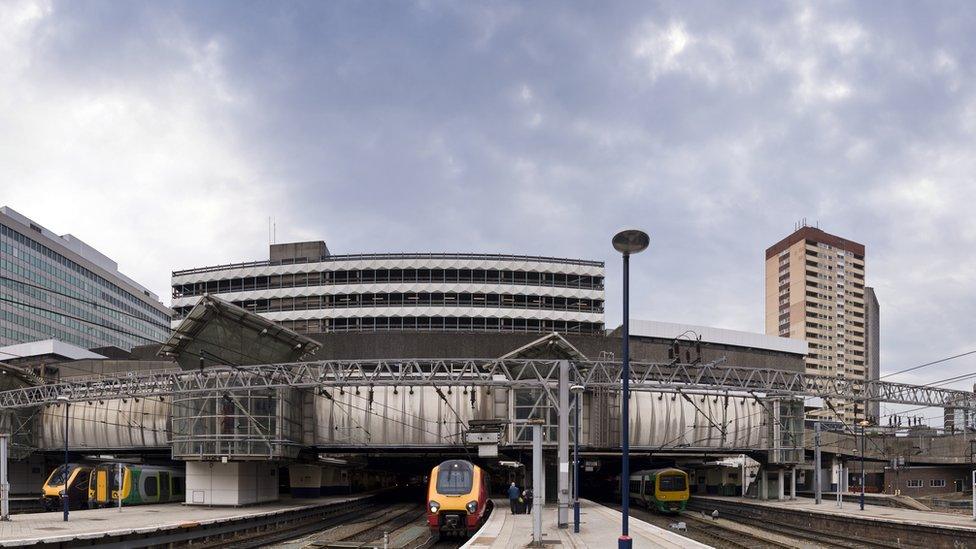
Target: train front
672	491
456	498
74	479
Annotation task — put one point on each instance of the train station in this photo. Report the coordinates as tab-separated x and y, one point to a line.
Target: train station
261	421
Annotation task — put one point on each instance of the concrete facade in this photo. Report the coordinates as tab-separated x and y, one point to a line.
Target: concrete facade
872	347
304	288
235	483
815	292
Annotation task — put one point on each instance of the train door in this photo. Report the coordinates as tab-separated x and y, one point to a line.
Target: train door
164	486
101	485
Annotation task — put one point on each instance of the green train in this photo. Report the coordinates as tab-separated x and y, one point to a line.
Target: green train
663	489
140	484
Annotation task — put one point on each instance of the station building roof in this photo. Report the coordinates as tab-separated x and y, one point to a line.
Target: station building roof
721	336
216	332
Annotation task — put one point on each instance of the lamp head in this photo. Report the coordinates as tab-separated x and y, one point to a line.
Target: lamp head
576	389
62	398
631	241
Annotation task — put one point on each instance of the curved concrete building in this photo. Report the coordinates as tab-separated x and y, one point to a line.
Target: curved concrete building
303	287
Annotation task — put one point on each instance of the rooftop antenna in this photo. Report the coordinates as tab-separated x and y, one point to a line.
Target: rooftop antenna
269	231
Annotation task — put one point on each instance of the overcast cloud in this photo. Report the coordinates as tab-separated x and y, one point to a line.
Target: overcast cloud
166	134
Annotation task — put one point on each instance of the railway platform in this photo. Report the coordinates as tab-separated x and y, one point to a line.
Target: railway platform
876	523
164	522
599	528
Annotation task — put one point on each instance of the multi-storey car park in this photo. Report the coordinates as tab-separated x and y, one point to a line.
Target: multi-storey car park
304	287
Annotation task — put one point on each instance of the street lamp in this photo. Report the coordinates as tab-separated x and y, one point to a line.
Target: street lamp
627	242
64	473
577	391
863	423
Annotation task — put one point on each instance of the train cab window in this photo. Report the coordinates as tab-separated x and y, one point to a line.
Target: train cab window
60	474
150	486
454	478
674	483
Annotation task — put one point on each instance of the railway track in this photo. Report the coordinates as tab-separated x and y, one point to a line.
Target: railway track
704	530
804	537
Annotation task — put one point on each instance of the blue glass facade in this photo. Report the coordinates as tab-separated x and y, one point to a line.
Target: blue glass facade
46	294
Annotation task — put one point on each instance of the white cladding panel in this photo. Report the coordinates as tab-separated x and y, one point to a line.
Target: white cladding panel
106	425
235	483
402	419
398	287
666	420
393	263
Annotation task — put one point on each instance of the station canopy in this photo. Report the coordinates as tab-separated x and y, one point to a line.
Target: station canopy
550	346
218	333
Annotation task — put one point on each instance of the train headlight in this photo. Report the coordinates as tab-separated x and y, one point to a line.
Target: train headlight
434	506
472	506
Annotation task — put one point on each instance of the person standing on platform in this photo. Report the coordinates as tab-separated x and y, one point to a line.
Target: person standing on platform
527	496
513	497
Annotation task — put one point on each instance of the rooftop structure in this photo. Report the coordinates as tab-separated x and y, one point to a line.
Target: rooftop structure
732	338
56	286
306	288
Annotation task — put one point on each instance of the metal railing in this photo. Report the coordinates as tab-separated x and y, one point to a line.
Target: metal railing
353	257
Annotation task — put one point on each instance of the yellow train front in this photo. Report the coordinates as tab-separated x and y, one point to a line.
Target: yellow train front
663	489
457	498
72	481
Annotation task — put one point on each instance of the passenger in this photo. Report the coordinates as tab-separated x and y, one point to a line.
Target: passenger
513	497
527	496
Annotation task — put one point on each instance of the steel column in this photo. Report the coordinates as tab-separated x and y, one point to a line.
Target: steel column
562	475
817	489
4	484
538	488
624	542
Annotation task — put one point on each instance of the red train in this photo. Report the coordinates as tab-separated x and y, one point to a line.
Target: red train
457	498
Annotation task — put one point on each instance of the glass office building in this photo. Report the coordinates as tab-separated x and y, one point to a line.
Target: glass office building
57	287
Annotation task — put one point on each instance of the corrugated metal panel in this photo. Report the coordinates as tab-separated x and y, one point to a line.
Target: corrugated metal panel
667	420
107	425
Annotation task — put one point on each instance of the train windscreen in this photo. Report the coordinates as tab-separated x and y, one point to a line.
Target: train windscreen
59	475
454	478
673	483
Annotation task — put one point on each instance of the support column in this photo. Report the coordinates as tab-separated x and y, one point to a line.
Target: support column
4	484
780	480
744	477
793	483
562	472
763	483
538	485
817	467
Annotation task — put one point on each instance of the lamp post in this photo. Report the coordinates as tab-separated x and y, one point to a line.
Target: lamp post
627	242
577	391
64	494
863	423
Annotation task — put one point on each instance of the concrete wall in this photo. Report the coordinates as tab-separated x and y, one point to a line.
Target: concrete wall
305	480
240	483
26	477
335	480
353	345
901	478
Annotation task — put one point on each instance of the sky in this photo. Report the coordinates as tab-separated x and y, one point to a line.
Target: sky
165	134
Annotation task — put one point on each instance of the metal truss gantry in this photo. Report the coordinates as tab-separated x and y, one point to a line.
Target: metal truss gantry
508	373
